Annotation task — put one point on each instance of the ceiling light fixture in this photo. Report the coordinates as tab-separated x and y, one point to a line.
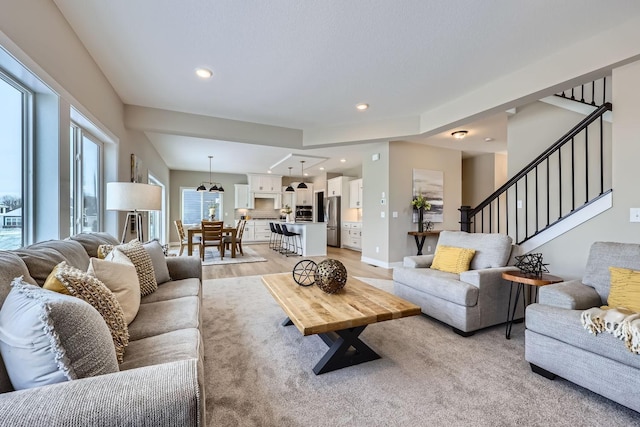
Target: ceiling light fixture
459	134
204	73
343	160
362	107
290	189
214	188
302	184
488	139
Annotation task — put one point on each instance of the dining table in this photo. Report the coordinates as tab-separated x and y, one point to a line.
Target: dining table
197	229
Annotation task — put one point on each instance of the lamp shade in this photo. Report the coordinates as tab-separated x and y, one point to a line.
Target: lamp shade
133	196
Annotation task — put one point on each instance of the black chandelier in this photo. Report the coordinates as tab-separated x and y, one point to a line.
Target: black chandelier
214	187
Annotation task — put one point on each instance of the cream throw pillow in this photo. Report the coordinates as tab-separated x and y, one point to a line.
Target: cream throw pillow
452	259
141	261
121	278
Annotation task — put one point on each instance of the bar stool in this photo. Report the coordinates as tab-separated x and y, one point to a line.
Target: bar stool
292	244
273	237
279	238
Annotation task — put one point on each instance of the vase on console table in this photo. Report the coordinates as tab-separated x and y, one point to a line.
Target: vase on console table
420	220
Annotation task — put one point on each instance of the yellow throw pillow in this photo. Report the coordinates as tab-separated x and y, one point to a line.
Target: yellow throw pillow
53	284
624	291
452	259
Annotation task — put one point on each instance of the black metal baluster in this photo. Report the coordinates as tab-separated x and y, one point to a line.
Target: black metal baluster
526	206
593	92
559	183
601	157
548	199
582	93
573	177
537	206
586	164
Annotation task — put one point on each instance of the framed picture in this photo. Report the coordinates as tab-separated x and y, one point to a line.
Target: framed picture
136	169
431	185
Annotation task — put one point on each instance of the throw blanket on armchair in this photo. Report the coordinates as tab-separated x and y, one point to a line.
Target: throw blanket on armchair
623	324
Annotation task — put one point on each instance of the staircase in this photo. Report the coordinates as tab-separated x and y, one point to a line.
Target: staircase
562	187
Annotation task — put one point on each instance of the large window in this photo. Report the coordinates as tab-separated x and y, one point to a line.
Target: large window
196	205
85	182
15	122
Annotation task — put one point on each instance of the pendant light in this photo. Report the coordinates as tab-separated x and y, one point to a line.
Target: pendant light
214	188
290	189
302	184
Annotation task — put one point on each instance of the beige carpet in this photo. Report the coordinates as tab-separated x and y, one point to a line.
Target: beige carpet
258	373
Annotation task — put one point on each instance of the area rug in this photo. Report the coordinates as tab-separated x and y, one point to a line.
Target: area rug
259	373
212	257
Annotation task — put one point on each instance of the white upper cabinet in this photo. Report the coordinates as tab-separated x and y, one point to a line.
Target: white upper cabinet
243	199
338	186
265	183
355	193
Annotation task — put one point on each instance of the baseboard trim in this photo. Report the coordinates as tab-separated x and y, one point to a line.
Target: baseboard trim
375	262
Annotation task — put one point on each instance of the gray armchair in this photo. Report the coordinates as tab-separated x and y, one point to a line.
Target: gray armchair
556	343
468	301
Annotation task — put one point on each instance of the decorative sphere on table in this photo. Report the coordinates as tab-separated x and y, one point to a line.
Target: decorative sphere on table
331	276
304	272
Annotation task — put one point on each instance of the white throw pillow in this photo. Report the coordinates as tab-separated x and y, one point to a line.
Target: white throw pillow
47	338
121	279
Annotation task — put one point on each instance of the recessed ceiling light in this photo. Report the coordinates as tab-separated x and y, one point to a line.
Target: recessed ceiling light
204	73
362	107
269	171
488	139
343	160
321	168
306	174
459	134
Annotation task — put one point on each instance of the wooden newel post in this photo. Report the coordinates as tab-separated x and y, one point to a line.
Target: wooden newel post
465	218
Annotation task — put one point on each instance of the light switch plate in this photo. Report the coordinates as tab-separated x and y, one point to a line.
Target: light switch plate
634	215
395	214
382	214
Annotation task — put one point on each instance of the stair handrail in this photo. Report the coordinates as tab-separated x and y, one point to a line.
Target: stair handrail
543	156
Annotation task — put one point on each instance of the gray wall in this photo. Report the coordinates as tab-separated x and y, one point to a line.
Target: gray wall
481	176
393	176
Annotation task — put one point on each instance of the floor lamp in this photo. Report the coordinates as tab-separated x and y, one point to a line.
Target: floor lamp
132	198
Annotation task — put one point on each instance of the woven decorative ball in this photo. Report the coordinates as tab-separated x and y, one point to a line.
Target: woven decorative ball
331	276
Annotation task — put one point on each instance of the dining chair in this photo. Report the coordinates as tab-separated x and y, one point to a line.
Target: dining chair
212	236
183	236
239	233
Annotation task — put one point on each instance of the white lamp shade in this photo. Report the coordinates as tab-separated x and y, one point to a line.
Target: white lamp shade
132	196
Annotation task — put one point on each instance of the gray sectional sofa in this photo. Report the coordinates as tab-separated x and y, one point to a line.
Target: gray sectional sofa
161	380
556	343
469	301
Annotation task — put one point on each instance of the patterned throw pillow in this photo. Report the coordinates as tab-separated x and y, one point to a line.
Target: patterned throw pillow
47	338
88	288
625	289
142	262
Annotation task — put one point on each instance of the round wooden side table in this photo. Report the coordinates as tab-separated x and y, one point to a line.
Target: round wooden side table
523	279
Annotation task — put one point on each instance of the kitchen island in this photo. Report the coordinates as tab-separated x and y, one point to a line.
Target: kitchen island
313	236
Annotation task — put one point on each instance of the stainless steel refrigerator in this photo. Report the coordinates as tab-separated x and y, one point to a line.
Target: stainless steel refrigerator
332	218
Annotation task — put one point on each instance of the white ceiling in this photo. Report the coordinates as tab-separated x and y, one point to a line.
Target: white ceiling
306	64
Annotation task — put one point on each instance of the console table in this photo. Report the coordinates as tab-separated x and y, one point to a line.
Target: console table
420	237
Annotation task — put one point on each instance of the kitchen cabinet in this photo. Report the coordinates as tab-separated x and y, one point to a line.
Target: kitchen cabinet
338	186
244	200
304	196
355	193
351	236
264	183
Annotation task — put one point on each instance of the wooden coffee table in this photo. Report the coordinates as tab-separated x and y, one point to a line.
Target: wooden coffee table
337	318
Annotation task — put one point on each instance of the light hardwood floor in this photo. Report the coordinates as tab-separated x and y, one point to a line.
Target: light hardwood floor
277	263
